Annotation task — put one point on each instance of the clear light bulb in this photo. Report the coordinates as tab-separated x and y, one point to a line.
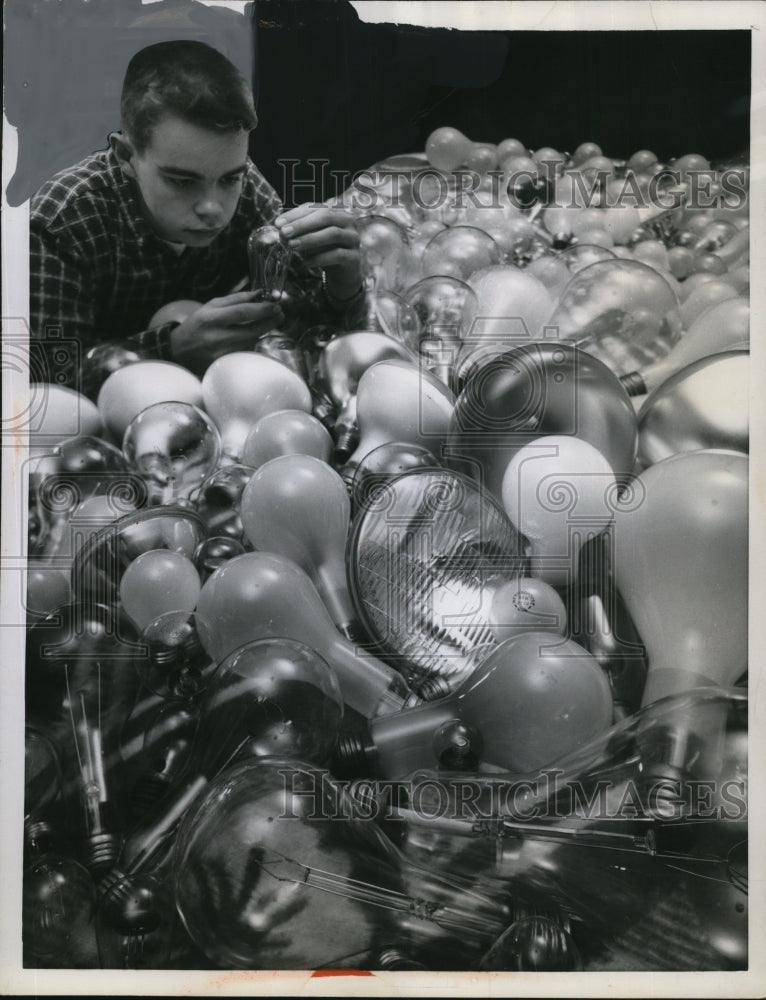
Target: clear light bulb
544	388
299	507
214	552
458	251
398	402
268	697
264	881
704	405
262	594
131	389
383	246
269	261
48	587
157	582
173	446
534	699
427	551
533	944
101	360
621	311
559	492
381	465
681	565
42	774
723	326
397	319
166	738
135	923
240	388
446	308
218	497
286	432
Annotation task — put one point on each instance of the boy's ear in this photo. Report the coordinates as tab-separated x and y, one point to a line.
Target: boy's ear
124	150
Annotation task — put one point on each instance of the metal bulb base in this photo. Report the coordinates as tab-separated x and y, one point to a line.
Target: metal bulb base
101	851
634	383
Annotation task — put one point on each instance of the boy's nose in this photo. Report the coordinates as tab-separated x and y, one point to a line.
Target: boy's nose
208	210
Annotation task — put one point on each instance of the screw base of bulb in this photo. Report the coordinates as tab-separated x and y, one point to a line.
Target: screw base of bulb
634	384
351	756
146	793
433	688
101	851
394	960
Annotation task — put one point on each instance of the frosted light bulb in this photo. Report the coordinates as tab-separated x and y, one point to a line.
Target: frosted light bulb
131	389
299	507
261	594
723	326
704	405
459	251
345	359
446	308
532	701
218	498
173	446
55	413
398	402
447	148
269	261
286	432
240	388
311	893
526	604
681	566
427	551
156	582
622	312
558	491
539	389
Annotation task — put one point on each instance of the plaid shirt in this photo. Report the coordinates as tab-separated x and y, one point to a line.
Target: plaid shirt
98	272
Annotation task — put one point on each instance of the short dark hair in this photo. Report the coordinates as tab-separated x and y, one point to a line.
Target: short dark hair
188	79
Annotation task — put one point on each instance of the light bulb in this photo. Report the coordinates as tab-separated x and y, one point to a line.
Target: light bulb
240	388
723	326
263	880
299	507
681	565
48	587
286	432
173	446
704	405
72	530
157	582
166	738
269	261
102	359
175	664
621	311
427	551
131	389
700	299
218	497
534	699
383	246
446	308
97	570
558	491
458	251
261	594
398	402
397	319
526	604
447	148
56	413
214	552
540	389
42	774
135	923
81	681
268	697
381	465
533	944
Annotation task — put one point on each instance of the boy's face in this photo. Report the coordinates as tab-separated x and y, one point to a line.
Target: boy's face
190	179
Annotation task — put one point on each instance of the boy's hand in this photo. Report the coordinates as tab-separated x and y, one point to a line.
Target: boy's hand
230	323
326	237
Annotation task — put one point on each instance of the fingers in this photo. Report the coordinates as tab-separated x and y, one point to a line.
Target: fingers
305	219
331	238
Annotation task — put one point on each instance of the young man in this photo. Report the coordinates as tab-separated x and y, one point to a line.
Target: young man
164	214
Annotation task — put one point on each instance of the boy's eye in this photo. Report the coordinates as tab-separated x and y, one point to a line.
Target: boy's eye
233	181
180	182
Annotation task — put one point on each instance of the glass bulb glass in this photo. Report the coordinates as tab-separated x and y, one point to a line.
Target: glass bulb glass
131	389
704	405
56	413
383	464
156	582
240	388
261	594
58	913
458	251
559	491
173	446
299	507
526	604
540	389
286	432
218	497
269	261
214	552
135	922
446	308
383	246
447	148
427	551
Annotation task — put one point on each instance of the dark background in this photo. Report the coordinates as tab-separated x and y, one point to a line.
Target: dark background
355	93
329	86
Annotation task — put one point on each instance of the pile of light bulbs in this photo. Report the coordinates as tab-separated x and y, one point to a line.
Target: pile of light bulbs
441	547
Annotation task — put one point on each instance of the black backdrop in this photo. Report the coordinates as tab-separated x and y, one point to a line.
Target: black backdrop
329	86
